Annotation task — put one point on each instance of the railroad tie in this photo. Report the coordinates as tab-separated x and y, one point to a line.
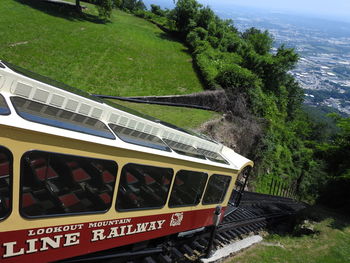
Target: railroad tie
164	259
149	260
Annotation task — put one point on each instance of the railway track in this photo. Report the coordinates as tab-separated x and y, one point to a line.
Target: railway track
255	213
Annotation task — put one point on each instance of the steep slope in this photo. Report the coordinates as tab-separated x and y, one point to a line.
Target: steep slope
128	56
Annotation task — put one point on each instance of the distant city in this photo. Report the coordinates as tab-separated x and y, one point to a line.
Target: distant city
323	70
323	45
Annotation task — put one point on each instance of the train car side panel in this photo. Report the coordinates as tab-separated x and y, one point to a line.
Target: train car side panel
64	241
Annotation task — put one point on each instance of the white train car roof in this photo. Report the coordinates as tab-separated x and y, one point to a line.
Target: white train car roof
33	102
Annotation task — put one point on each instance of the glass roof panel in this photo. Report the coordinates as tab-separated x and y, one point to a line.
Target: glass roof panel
4	109
139	138
44	114
212	156
183	149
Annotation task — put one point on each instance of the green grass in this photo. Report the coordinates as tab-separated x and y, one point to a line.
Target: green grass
331	244
182	117
127	56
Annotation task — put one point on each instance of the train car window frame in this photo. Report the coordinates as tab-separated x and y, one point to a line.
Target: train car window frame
10	182
133	190
199	192
77	189
59	122
208	188
4	107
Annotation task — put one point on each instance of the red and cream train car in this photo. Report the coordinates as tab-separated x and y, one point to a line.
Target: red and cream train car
80	175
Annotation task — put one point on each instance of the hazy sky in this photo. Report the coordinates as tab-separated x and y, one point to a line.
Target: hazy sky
325	8
329	8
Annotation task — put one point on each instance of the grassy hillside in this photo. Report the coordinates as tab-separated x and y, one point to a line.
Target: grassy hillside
329	242
125	57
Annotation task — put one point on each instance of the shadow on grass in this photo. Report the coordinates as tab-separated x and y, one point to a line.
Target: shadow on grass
318	213
169	36
63	10
305	221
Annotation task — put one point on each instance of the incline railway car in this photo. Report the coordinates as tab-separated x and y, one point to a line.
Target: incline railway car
80	175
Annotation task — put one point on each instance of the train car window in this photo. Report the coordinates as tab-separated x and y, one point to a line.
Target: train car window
4	109
52	116
55	184
5	182
188	188
143	187
216	189
183	149
139	138
212	156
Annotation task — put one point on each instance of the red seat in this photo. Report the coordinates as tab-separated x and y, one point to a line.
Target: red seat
79	175
107	177
178	182
69	200
72	164
149	180
133	197
106	198
4	168
130	179
27	200
38	162
30	205
45	172
166	181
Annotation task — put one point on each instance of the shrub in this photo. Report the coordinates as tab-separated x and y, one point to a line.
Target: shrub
104	8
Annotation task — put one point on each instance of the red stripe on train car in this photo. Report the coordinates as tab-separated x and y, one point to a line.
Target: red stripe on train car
66	241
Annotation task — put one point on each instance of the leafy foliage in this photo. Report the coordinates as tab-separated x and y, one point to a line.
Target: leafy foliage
336	155
130	5
104	8
155	9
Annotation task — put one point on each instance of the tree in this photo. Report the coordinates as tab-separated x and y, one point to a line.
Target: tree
205	17
236	79
337	152
104	8
132	5
77	4
336	155
185	14
260	41
155	9
117	3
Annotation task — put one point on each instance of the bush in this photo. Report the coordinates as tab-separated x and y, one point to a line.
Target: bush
155	9
104	8
130	5
236	79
